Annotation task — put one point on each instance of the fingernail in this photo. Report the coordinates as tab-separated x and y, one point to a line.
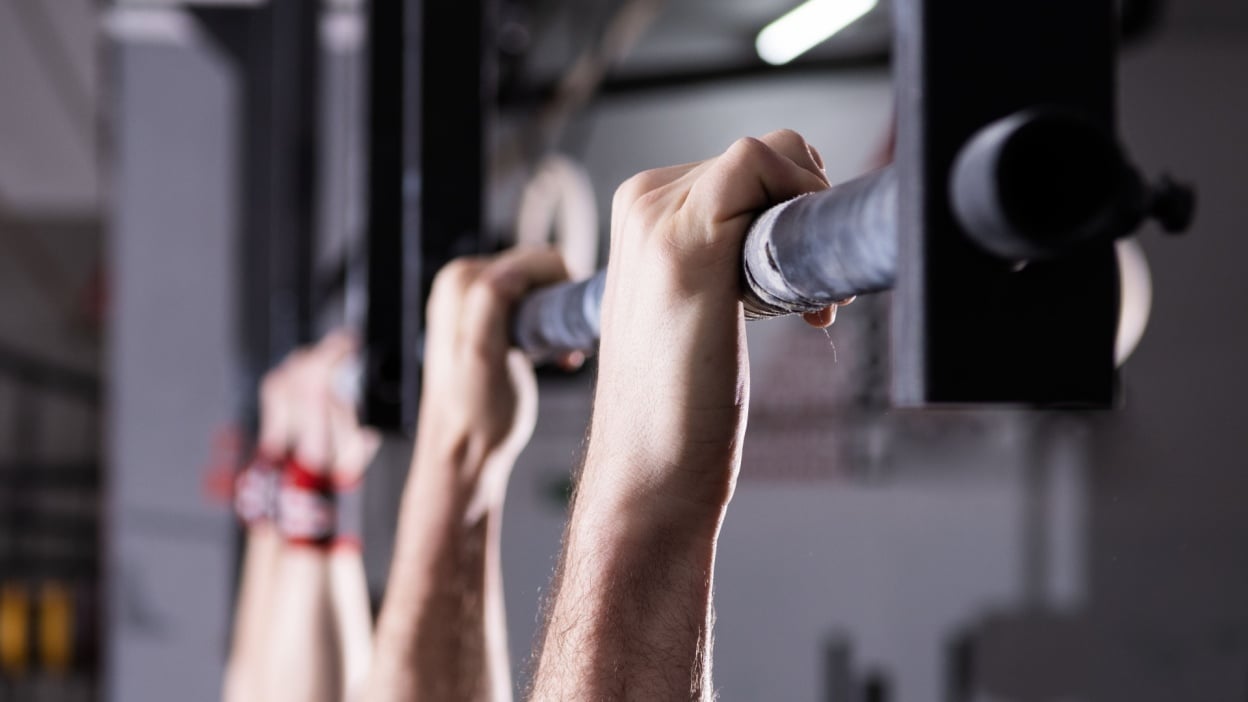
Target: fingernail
573	361
814	154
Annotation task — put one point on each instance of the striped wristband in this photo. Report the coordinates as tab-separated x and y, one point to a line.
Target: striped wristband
256	491
315	511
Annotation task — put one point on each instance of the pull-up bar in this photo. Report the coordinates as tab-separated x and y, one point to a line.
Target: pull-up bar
1032	186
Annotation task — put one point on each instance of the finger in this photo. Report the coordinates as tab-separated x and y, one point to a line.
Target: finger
654	179
572	361
313	441
795	147
275	415
280	400
299	369
450	285
322	366
335	347
353	445
359	455
814	153
821	319
749	177
307	393
458	274
526	267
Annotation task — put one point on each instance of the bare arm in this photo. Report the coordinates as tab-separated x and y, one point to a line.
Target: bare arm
441	634
354	447
303	628
632	612
353	619
247	669
244	669
631	617
443	603
303	656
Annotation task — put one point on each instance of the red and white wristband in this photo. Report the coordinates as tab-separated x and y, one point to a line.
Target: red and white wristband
256	491
314	510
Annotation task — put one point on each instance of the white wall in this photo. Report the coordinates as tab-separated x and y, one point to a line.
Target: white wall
1144	536
171	369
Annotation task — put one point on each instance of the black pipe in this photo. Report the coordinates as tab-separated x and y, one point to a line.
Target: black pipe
35	373
676	78
1139	19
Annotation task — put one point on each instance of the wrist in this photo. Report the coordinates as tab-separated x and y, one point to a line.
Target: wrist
453	480
461	433
317	513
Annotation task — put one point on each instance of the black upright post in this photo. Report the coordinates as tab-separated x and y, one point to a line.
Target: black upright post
968	328
275	49
431	90
288	99
392	235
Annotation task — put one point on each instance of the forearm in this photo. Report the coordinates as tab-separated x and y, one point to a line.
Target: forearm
631	618
352	618
440	634
251	620
631	615
302	661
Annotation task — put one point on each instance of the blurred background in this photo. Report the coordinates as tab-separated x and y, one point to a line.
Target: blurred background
185	193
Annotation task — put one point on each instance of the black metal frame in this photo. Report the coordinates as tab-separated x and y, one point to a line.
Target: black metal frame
966	328
1138	20
431	92
654	81
49	525
26	478
275	48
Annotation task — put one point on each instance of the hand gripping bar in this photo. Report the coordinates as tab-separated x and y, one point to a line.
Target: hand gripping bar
799	256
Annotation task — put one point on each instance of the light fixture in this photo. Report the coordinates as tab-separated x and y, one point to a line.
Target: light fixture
803	28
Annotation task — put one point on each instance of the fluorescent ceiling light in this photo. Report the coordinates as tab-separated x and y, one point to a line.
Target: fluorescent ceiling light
806	26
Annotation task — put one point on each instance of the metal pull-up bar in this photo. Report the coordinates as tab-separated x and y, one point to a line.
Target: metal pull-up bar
1032	186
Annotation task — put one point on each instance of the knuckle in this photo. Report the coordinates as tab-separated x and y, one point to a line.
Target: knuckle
296	363
486	292
786	136
453	273
453	279
649	201
747	148
635	188
625	194
642	217
649	209
271	386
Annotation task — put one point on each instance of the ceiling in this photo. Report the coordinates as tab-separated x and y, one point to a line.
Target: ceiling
715	31
48	84
47	157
